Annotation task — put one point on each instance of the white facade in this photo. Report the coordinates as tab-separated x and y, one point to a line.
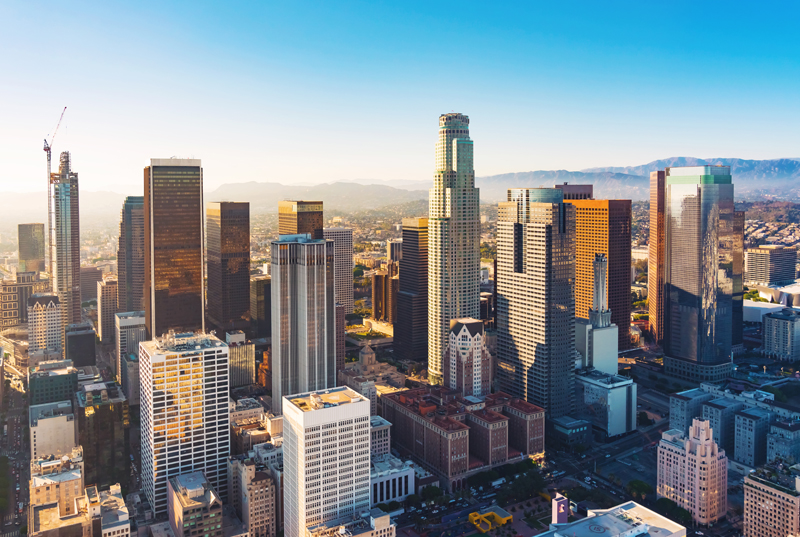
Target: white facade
693	472
326	458
130	330
391	480
782	334
184	406
611	400
453	238
45	328
597	346
468	364
106	309
342	238
53	429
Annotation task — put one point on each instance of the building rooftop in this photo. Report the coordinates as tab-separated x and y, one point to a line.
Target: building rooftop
778	475
688	395
625	520
756	413
130	315
301	238
193	490
502	398
334	397
188	341
598	377
377	421
721	403
47	517
786	314
102	393
49	410
787	425
383	465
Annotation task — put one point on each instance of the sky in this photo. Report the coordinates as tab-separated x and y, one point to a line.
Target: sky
316	92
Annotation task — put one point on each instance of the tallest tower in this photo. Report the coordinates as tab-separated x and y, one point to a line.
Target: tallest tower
453	235
65	240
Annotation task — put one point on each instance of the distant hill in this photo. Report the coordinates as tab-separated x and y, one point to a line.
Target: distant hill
606	184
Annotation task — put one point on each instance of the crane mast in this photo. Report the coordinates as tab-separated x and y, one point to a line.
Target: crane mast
47	150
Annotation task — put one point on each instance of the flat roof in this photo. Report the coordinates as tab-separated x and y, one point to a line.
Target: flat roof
308	402
627	519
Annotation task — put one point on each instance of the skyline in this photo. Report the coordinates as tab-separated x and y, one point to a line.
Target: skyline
547	89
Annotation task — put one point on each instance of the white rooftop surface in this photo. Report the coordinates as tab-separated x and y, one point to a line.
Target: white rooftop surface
52	479
627	519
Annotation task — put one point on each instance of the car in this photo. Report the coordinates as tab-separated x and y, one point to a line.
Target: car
608	455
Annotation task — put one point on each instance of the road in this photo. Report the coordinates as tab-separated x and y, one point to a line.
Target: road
15	445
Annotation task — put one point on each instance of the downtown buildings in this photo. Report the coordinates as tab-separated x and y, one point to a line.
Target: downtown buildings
65	241
31	247
343	265
411	327
772	501
130	255
296	217
453	238
770	265
228	253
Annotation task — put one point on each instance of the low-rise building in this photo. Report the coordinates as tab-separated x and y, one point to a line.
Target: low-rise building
247	433
391	479
685	406
363	386
381	436
772	501
375	523
783	441
193	506
750	442
625	520
568	433
245	408
252	495
109	507
609	401
52	381
52	429
369	368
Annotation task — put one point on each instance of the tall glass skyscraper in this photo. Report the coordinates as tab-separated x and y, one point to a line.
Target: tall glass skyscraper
130	255
65	240
173	238
228	253
31	247
453	238
411	327
700	272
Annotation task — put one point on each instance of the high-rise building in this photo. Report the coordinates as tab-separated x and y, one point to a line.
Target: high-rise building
260	306
228	253
699	272
341	328
596	337
89	278
173	237
52	429
129	330
45	328
31	247
411	327
342	238
52	381
772	501
693	472
252	495
129	378
737	295
394	250
130	255
770	265
334	423
655	256
184	428
303	316
781	334
604	227
608	401
468	365
14	295
64	236
79	344
106	309
535	281
297	217
454	226
104	433
576	192
242	359
385	285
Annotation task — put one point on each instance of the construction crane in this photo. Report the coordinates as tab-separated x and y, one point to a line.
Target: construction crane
47	148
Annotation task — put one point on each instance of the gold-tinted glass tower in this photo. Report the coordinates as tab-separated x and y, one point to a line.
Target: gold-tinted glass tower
296	217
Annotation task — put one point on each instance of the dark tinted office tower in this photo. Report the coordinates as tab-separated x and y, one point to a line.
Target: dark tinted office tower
260	310
31	247
228	254
65	240
296	216
89	278
130	255
737	334
411	328
576	192
80	340
700	271
655	257
173	246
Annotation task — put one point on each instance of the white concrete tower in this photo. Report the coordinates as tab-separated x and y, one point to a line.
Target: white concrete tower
599	315
453	238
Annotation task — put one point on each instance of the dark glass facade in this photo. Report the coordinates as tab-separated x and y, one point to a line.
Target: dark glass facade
65	234
737	333
130	255
228	255
104	432
295	217
31	247
411	326
46	388
173	230
80	340
260	306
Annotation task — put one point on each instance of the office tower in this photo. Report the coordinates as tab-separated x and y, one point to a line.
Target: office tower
228	253
693	472
385	285
297	217
260	306
242	359
737	296
411	328
303	316
535	279
655	256
341	328
193	505
45	323
468	365
129	378
608	401
130	255
751	427
64	235
252	495
343	261
173	254
783	441
79	345
14	295
604	227
104	433
770	265
106	309
576	192
89	278
720	414
130	330
596	337
52	429
772	501
334	423
699	272
781	334
53	381
453	238
394	250
31	247
184	428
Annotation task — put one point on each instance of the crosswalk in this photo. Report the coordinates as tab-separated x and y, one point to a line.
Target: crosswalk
11	533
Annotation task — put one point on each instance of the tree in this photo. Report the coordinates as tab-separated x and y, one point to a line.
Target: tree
412	500
638	488
431	493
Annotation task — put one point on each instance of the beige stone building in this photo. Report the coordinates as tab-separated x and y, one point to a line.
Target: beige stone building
772	501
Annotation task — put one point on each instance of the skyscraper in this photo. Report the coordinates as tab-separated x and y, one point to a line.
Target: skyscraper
699	272
453	238
303	316
385	284
173	238
535	299
130	255
604	227
228	228
394	250
65	240
343	261
106	309
45	331
296	217
31	247
655	257
184	424
260	306
411	327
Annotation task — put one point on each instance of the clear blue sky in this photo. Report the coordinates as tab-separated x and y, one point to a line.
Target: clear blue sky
309	92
